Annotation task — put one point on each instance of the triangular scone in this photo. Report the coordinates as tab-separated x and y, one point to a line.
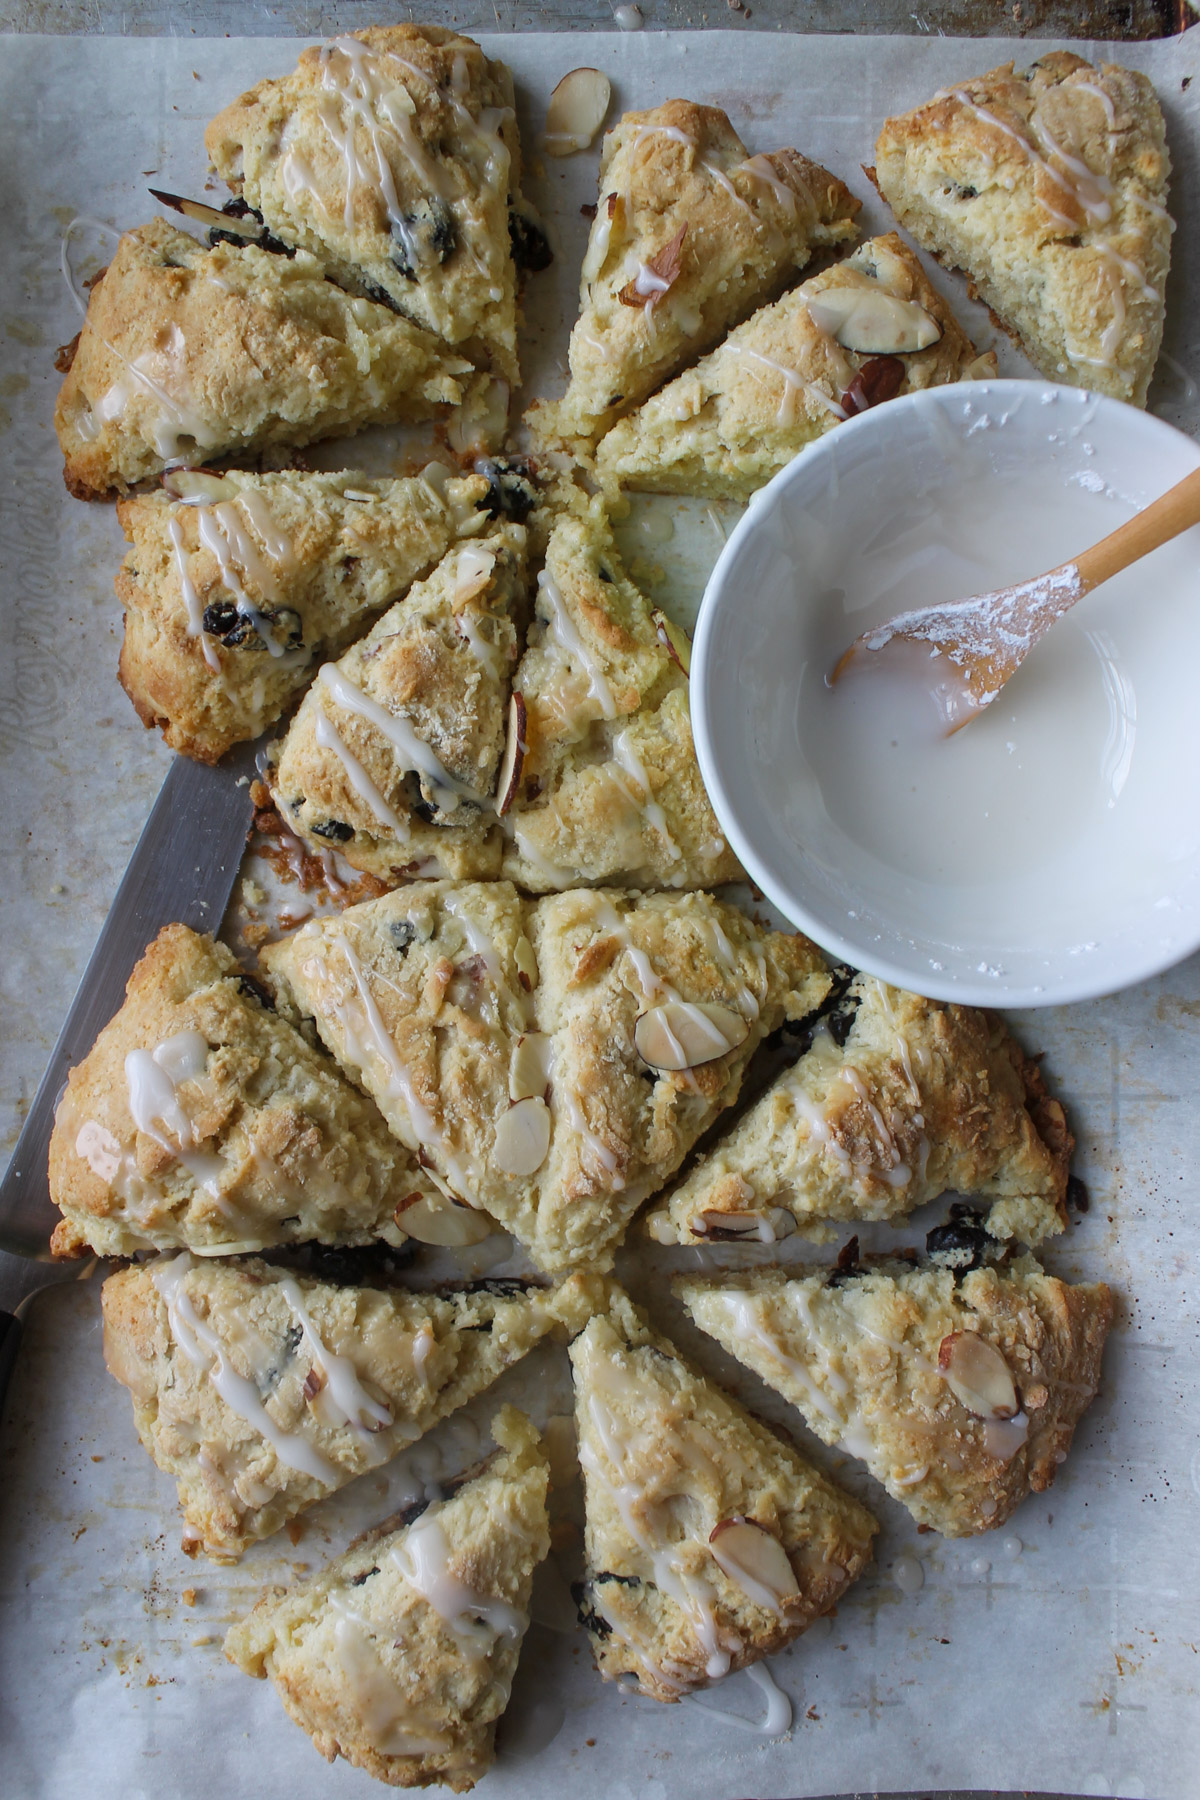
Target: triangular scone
960	1390
233	593
400	1655
261	1391
199	1119
394	753
552	1061
393	155
710	1541
861	332
895	1102
188	352
609	788
691	234
1049	189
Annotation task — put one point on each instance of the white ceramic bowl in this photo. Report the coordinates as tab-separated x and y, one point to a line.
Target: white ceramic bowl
1050	851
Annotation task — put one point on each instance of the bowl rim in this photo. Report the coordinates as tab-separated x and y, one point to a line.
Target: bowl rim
999	990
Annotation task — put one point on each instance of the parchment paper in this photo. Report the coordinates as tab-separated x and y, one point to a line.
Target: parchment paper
1061	1653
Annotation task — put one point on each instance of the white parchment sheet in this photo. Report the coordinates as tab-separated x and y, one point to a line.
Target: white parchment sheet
1059	1654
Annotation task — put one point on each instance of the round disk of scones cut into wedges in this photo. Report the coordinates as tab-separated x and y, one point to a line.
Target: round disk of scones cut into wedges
189	352
960	1390
895	1100
393	155
237	584
459	1007
200	1119
710	1541
1049	190
859	333
400	1655
691	234
261	1391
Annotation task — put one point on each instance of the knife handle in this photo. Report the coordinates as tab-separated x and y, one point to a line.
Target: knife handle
10	1338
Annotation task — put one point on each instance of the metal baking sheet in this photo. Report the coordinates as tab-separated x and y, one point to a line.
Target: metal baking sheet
1060	1653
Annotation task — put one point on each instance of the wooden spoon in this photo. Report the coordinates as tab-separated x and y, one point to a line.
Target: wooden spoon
988	637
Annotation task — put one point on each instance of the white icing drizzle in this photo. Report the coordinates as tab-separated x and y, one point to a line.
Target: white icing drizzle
191	600
328	739
343	1399
153	1078
595	1147
148	373
749	1325
477	1620
793	384
413	752
483	946
777	1717
99	1150
378	1700
572	646
760	168
222	529
635	769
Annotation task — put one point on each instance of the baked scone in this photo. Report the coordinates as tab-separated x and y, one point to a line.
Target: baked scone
200	1119
551	1061
898	1099
1049	189
188	352
261	1391
400	1655
710	1541
859	333
691	234
395	751
235	591
392	154
609	790
959	1387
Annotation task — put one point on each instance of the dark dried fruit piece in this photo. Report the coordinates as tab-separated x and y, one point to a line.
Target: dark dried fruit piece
531	250
511	491
961	1245
879	379
337	829
426	235
847	1266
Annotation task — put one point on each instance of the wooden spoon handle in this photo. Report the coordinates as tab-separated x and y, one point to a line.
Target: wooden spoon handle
1156	524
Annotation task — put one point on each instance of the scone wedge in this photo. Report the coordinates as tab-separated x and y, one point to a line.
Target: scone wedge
188	353
691	234
392	154
395	752
202	1120
960	1387
710	1541
1049	189
868	329
897	1099
261	1391
608	789
551	1061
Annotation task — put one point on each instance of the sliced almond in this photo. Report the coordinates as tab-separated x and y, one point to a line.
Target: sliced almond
522	1138
526	961
513	760
247	226
754	1558
673	639
872	321
472	572
656	275
977	1374
1002	1438
445	1222
198	487
680	1035
600	239
529	1069
746	1227
576	111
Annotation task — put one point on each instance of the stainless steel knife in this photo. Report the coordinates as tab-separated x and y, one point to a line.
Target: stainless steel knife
183	869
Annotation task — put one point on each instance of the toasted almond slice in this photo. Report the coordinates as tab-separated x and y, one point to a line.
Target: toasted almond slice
244	227
681	1035
673	638
522	1138
1002	1438
600	240
754	1558
747	1227
977	1374
446	1222
872	321
198	487
529	1069
513	760
472	572
526	961
576	111
656	276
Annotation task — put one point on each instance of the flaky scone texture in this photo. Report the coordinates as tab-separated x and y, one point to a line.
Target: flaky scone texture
392	154
400	1655
202	1120
898	1099
189	352
710	1541
231	602
691	234
1049	189
395	752
960	1392
780	380
261	1391
610	789
507	1040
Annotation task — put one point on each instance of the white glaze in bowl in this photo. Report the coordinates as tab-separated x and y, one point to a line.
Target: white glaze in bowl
1050	851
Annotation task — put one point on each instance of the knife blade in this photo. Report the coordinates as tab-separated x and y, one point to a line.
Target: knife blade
183	869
